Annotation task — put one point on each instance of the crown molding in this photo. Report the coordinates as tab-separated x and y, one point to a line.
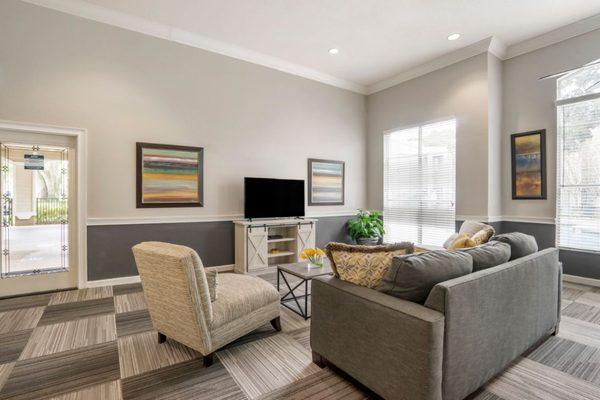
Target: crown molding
555	36
437	63
140	25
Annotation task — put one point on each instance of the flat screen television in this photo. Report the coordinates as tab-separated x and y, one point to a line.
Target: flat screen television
273	198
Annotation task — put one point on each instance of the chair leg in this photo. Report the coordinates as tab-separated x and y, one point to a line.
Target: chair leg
208	359
276	323
318	359
161	338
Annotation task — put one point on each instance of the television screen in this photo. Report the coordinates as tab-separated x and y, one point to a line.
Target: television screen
273	198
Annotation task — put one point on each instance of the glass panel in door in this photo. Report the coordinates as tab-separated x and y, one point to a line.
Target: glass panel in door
34	185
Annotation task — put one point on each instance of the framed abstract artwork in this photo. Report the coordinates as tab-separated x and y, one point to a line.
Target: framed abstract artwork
169	176
325	182
528	155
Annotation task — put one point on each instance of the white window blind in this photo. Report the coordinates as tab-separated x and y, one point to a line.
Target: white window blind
419	183
578	170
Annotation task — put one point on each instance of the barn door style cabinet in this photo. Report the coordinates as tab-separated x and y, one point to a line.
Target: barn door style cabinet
261	245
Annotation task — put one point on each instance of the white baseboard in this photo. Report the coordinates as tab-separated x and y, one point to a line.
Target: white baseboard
113	281
581	280
136	278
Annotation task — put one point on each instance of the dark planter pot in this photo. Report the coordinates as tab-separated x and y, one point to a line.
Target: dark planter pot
368	241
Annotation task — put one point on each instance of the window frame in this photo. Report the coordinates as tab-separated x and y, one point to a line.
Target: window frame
559	166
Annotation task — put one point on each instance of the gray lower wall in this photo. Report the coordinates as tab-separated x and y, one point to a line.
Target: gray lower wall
109	246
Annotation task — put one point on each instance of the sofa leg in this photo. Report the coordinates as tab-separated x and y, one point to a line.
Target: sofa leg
208	359
276	322
318	359
161	338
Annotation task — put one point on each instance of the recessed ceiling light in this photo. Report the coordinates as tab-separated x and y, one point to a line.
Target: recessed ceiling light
454	36
334	51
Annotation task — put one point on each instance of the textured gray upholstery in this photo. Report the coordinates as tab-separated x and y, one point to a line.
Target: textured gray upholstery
391	345
487	255
412	277
521	245
493	316
469	330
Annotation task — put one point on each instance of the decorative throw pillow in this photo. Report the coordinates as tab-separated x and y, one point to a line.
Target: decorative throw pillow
461	242
364	265
470	227
212	280
488	255
521	244
483	235
413	276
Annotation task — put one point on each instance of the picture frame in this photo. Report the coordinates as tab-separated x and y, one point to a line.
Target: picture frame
169	176
326	182
528	164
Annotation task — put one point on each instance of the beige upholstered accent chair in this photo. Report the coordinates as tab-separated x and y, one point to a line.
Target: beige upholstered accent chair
178	298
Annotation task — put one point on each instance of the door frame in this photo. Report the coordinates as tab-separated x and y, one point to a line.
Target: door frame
80	135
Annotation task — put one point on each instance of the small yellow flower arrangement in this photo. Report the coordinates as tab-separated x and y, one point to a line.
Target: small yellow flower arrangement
313	255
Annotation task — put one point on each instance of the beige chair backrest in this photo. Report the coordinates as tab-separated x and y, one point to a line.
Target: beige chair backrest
176	292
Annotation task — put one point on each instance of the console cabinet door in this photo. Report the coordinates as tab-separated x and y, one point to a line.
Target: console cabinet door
305	237
257	248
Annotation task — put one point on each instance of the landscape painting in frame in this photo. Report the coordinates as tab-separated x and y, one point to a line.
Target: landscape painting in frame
325	182
528	152
169	176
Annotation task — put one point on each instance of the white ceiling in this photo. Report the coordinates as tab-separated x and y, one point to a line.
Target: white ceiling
378	39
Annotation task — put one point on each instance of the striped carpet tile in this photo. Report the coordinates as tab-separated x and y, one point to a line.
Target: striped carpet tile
61	373
186	380
12	344
142	353
72	296
55	338
322	385
530	380
267	364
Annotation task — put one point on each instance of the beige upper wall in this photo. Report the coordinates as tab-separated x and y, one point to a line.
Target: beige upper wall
125	87
459	91
528	105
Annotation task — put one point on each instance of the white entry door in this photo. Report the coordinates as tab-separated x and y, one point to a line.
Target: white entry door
37	186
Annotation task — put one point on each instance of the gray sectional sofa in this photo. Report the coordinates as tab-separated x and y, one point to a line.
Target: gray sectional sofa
468	330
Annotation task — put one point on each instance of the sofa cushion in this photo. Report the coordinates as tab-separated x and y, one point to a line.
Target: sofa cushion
488	255
413	276
521	244
364	265
239	295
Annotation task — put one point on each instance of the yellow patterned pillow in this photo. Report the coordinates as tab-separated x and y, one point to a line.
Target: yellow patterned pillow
364	265
463	241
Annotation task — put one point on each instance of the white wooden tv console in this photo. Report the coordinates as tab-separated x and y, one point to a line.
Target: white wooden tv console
255	252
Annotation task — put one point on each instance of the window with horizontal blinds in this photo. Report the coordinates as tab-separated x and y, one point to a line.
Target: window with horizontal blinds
419	187
578	170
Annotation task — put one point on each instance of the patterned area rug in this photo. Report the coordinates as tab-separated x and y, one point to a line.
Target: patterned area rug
99	344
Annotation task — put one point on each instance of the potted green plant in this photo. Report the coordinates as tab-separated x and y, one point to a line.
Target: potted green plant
367	228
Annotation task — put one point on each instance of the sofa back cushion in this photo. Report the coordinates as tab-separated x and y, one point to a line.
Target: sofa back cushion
521	245
488	254
413	276
364	265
